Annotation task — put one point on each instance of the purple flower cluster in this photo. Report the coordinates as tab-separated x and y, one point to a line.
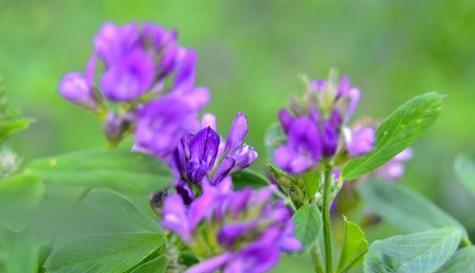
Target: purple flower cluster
316	126
247	232
204	156
151	78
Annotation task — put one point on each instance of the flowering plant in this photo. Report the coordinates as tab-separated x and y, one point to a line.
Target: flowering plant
208	212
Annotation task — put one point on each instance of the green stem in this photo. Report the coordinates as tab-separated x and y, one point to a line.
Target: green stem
316	259
327	239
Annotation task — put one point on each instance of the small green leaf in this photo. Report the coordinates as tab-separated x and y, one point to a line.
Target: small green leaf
117	170
462	262
110	253
422	252
465	171
157	265
405	208
354	247
248	178
116	205
10	127
273	138
398	131
308	224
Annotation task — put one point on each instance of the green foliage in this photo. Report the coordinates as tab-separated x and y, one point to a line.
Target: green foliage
117	170
354	247
248	178
308	225
156	265
109	253
398	131
465	171
422	252
116	205
462	262
405	208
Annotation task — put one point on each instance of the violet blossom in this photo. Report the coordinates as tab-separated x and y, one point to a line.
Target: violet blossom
139	79
205	155
248	231
315	126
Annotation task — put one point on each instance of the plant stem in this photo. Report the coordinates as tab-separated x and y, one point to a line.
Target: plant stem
316	259
327	239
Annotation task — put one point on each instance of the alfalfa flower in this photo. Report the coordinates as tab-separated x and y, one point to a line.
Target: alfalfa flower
206	156
315	126
241	231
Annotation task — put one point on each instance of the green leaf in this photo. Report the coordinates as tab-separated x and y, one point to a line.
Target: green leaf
308	224
23	253
398	131
23	190
405	208
157	265
354	247
117	170
116	205
248	178
273	138
422	252
110	253
10	127
465	171
462	262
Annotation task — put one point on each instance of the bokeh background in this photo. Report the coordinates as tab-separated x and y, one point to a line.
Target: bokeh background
250	54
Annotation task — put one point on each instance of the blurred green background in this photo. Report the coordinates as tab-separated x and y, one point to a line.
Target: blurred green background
250	53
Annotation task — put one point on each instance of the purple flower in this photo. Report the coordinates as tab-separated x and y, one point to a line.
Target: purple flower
314	129
360	141
78	88
249	231
394	169
131	77
205	155
161	124
303	148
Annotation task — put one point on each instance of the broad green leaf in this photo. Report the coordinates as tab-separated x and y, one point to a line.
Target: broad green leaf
116	205
354	247
398	131
157	265
273	138
422	252
462	262
9	127
248	178
22	253
118	170
465	171
19	191
308	224
404	208
110	253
